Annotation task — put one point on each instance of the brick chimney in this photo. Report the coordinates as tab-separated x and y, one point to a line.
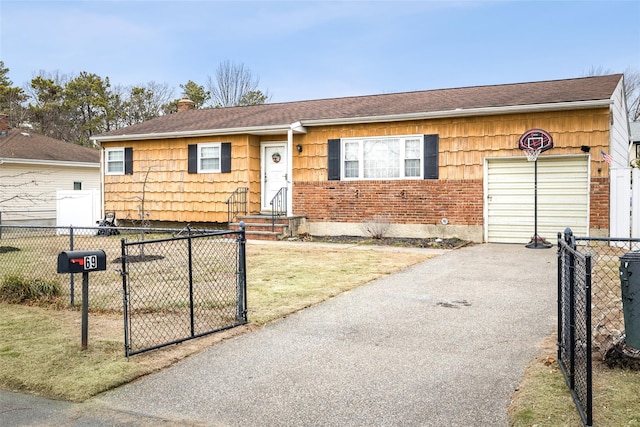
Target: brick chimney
186	104
4	124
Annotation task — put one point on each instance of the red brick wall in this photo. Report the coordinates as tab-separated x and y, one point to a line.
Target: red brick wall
404	201
599	209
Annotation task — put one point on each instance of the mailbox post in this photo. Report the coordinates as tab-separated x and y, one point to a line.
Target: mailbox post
83	262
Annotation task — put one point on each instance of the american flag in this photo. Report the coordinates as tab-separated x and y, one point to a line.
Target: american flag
606	157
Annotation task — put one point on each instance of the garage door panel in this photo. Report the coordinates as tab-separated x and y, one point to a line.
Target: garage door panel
563	198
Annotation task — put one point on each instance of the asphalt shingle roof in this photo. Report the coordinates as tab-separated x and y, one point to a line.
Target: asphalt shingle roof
518	94
19	144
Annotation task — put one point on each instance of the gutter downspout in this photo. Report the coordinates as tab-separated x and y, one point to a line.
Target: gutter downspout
102	207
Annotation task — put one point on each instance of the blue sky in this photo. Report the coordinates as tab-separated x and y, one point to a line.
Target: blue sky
321	49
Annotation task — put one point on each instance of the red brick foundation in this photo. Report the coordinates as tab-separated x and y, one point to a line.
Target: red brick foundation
401	201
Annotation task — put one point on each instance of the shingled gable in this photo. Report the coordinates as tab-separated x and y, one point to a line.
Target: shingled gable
556	94
28	146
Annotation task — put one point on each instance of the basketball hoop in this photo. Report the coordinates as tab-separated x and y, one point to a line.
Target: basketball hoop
532	153
533	142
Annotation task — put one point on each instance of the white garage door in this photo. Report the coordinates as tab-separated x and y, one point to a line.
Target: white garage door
563	198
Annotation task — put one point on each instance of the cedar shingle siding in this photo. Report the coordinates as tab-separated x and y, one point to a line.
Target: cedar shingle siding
462	128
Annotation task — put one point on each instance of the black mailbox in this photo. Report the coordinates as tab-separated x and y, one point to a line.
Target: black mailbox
82	261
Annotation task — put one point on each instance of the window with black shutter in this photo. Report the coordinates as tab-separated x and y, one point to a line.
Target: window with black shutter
214	157
383	157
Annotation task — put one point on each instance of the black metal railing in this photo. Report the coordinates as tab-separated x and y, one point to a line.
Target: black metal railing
237	203
574	324
278	206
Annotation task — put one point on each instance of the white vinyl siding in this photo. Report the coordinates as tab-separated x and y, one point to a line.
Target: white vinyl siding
30	191
563	198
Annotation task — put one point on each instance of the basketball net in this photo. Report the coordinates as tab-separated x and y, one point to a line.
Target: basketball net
532	153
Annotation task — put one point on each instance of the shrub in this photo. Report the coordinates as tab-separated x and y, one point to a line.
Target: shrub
16	289
376	227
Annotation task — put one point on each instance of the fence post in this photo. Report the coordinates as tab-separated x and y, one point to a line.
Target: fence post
125	295
242	274
71	276
589	379
568	236
560	295
190	257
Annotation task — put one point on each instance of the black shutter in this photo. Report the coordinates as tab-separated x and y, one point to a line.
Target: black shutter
431	157
333	161
128	161
193	159
225	157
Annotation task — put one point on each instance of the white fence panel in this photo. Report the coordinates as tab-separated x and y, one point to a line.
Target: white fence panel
80	208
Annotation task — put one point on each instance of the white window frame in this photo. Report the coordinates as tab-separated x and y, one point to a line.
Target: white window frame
402	157
107	162
202	169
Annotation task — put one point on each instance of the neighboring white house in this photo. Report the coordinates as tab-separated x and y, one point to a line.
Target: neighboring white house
634	130
34	168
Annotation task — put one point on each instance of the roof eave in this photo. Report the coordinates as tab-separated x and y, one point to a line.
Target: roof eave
40	162
251	130
465	112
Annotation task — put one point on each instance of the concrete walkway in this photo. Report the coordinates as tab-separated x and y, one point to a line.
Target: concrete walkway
443	343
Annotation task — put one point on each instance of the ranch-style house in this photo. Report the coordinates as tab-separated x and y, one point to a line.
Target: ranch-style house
435	163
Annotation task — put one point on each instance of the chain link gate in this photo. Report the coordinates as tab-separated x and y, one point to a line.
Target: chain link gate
180	288
574	324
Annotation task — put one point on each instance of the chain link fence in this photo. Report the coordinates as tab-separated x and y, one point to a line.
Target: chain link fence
182	287
590	310
607	316
574	324
32	252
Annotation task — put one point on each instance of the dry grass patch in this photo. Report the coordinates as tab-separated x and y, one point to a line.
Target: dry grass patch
543	398
40	348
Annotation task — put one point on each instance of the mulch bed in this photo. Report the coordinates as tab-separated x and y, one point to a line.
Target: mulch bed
432	243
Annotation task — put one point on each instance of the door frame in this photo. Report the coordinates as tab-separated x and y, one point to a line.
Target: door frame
263	169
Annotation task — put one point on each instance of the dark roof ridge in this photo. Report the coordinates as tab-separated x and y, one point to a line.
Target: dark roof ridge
408	92
561	92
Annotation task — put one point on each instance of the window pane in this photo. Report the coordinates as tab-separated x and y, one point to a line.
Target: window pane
209	164
113	156
412	167
351	150
381	158
208	152
209	158
115	161
351	169
412	149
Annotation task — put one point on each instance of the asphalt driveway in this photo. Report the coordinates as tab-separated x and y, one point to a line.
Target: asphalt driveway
443	343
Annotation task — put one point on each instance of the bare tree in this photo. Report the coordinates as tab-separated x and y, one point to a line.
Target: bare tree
631	88
234	85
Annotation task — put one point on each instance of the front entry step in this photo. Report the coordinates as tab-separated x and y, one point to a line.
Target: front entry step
260	227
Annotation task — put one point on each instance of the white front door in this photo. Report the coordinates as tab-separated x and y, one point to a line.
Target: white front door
274	171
